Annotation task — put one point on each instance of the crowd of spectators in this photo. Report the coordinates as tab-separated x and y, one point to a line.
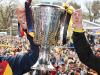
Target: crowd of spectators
64	59
11	45
66	62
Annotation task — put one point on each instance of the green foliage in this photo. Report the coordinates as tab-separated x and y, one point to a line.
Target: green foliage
93	10
96	9
75	5
6	14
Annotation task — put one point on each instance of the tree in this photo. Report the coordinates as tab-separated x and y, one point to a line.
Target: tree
93	10
88	6
7	10
96	9
75	5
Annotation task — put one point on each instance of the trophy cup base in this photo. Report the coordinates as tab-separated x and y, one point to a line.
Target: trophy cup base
43	67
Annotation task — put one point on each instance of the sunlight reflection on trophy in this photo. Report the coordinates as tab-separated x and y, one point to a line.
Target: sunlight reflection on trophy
48	20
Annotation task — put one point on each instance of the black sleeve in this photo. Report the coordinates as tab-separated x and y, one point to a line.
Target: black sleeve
84	51
22	63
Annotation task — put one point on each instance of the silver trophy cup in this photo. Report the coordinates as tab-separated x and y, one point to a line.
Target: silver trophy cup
47	23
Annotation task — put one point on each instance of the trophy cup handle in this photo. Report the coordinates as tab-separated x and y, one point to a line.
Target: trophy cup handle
65	20
66	24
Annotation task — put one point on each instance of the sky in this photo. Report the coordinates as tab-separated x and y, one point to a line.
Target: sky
80	2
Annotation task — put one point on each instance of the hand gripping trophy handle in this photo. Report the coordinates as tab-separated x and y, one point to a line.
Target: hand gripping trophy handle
69	11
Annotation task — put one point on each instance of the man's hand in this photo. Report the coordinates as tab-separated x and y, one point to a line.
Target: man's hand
20	12
77	21
68	8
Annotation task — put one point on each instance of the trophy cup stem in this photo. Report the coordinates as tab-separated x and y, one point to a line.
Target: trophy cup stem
44	63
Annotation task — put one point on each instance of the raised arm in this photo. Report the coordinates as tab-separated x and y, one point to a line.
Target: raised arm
81	44
22	63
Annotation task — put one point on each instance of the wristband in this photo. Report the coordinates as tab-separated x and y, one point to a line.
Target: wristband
78	30
32	34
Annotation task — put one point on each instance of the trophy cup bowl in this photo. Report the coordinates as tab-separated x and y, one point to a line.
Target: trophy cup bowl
47	23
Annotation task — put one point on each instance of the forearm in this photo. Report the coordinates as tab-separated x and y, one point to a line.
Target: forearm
34	49
29	59
80	43
82	47
84	51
